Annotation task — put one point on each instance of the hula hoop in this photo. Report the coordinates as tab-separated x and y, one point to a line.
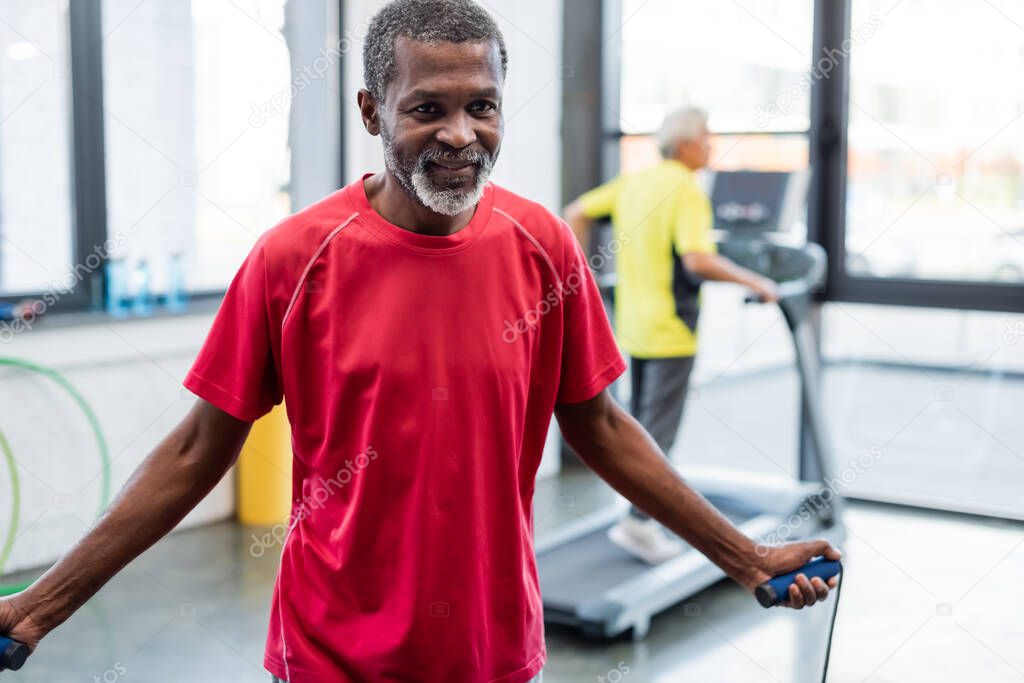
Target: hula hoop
12	531
94	424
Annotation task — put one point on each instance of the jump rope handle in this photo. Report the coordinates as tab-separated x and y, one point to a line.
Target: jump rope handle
12	654
775	590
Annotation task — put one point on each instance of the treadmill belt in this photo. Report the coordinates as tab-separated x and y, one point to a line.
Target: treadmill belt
575	572
736	510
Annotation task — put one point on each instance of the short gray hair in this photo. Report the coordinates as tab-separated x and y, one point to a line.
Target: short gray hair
428	21
681	125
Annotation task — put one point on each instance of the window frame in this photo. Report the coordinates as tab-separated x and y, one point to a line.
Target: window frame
828	138
830	107
90	226
88	186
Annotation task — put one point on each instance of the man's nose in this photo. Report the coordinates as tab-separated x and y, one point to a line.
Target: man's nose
457	131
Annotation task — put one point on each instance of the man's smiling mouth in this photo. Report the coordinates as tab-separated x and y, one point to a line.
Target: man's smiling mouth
452	165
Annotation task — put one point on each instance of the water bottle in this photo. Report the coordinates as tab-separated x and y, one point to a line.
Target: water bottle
141	304
177	298
117	288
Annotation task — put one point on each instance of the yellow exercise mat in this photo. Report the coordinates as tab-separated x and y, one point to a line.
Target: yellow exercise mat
265	471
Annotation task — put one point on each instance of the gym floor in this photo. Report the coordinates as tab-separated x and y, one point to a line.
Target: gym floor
945	586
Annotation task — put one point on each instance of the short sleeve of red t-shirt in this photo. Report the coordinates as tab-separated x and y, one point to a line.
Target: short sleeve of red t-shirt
235	368
590	357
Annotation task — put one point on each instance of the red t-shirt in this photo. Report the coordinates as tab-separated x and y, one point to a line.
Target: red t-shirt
420	374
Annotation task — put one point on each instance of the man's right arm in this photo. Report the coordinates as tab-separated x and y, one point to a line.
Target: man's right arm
711	266
170	482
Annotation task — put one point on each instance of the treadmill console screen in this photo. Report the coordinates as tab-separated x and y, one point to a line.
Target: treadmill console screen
757	202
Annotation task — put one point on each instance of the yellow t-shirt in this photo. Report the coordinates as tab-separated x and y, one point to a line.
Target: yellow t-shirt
659	215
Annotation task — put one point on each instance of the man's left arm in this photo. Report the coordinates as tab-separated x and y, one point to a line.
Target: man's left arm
621	452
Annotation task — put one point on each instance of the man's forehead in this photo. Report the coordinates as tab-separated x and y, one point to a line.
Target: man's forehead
437	67
427	91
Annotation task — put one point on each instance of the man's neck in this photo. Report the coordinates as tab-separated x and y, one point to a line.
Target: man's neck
393	203
687	166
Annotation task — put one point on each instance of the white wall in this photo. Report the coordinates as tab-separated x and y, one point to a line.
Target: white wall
130	373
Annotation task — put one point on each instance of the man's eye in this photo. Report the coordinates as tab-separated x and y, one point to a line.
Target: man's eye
426	109
482	106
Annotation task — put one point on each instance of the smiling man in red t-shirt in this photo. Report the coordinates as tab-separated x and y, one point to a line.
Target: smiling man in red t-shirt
423	325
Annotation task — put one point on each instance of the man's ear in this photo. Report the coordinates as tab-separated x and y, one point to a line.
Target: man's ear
370	111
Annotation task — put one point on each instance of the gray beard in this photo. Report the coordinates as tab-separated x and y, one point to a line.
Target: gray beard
417	183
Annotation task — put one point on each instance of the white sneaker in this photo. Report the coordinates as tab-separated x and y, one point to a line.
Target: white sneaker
645	539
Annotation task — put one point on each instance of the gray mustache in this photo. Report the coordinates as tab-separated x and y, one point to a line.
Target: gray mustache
473	156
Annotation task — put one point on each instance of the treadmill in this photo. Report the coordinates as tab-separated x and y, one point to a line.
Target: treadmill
588	582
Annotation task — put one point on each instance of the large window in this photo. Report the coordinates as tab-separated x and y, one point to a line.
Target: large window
936	142
934	212
158	136
36	206
197	95
752	79
675	52
936	395
912	121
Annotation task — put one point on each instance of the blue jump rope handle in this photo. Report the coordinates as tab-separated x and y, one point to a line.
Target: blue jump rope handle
774	591
12	654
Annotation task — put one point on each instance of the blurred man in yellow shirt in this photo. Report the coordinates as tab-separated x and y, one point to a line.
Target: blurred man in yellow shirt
663	225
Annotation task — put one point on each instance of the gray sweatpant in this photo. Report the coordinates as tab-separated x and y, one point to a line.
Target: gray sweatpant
659	395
